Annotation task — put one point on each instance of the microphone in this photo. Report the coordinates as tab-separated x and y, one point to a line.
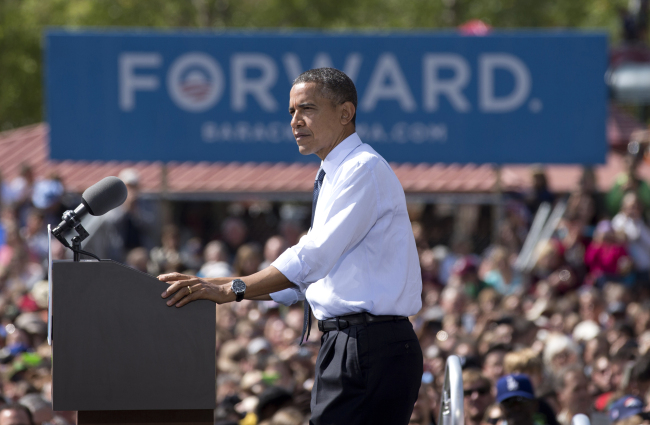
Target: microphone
98	199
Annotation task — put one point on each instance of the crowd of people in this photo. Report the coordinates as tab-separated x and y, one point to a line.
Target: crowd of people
538	345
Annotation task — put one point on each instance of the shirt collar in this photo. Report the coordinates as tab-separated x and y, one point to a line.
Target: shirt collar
339	153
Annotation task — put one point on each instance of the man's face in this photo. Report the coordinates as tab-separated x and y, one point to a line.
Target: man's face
493	366
477	398
575	395
14	417
315	121
602	375
518	410
617	369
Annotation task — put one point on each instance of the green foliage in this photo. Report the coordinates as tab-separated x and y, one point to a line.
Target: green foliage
22	23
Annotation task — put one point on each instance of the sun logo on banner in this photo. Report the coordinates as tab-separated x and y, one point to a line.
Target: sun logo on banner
195	82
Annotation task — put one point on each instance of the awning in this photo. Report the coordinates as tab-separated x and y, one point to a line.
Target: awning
281	181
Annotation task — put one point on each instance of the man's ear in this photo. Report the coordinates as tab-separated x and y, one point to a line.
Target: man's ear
347	112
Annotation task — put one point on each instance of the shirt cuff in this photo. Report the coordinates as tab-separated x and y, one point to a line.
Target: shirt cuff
291	267
288	296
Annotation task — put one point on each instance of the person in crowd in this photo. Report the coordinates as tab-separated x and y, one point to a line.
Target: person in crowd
477	396
493	416
422	410
17	271
138	258
539	191
493	362
626	407
629	222
639	379
47	198
572	241
234	233
167	257
136	217
590	205
273	248
626	182
524	361
15	414
35	235
216	263
516	398
40	409
591	304
560	351
553	267
606	257
601	376
467	271
502	276
248	260
19	192
571	387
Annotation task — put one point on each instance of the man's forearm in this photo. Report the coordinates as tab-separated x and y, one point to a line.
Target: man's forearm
258	285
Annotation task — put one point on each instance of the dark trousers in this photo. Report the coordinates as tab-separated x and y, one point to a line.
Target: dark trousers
367	374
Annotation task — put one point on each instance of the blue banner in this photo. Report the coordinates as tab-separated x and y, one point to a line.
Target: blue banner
511	97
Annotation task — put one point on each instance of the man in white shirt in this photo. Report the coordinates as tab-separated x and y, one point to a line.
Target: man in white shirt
357	267
629	222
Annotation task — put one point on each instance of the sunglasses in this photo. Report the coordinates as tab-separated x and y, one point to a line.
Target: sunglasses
480	391
493	421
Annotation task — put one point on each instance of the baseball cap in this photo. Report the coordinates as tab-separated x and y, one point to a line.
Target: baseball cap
514	385
625	407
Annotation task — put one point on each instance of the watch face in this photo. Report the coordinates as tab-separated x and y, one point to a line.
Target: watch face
238	286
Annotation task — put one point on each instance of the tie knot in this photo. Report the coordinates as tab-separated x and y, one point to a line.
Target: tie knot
320	176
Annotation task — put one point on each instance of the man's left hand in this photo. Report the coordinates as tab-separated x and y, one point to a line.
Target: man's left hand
186	288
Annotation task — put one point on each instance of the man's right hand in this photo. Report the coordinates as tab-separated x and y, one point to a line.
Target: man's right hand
186	288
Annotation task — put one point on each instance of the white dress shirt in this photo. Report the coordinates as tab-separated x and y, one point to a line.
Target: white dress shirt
360	253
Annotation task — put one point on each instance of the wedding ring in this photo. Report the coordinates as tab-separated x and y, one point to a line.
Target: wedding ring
190	289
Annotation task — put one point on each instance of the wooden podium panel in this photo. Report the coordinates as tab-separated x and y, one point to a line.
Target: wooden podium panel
116	345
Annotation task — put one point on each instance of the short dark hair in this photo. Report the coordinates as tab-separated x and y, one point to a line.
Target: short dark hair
641	369
497	348
334	85
19	407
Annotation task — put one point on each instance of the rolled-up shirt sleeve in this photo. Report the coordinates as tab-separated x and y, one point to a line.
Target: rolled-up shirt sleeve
350	216
288	296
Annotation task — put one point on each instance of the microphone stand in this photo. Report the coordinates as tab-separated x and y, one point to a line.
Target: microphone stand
71	218
76	247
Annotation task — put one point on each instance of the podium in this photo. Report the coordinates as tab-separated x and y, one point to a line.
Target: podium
120	355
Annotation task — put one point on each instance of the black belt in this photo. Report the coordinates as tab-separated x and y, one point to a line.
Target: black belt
343	322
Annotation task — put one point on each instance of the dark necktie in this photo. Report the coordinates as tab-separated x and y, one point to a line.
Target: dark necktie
306	326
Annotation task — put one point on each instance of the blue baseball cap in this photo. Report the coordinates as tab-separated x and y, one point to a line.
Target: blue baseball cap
514	386
625	407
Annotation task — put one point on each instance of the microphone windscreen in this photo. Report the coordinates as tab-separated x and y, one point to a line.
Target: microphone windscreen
103	196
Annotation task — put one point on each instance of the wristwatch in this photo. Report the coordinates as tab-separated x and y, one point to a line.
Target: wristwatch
239	288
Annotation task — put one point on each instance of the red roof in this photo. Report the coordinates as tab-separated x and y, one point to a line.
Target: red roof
30	145
620	126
